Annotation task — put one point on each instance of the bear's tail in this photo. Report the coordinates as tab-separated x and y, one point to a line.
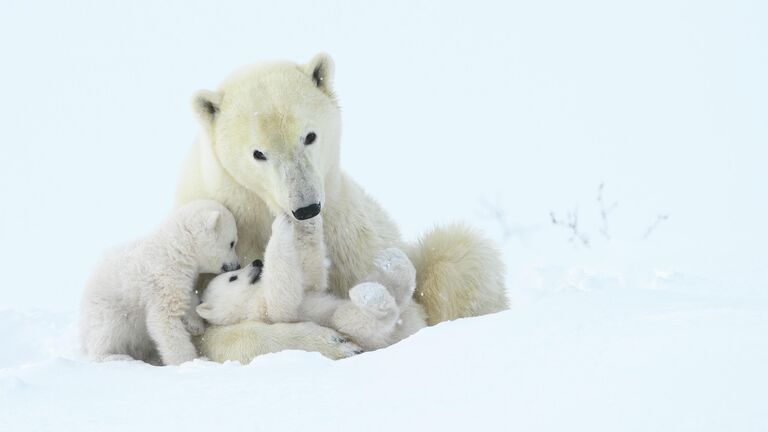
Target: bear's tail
459	273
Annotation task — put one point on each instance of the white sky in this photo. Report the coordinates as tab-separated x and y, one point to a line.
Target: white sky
445	105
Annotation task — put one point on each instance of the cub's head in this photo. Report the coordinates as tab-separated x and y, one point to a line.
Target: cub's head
226	299
214	235
275	128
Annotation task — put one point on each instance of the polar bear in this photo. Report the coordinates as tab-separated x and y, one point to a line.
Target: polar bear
269	144
139	302
374	316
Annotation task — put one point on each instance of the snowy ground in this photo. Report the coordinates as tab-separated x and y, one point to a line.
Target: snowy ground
672	354
650	314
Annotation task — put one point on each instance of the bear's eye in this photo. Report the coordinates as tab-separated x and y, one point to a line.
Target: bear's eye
232	244
259	155
311	137
233	278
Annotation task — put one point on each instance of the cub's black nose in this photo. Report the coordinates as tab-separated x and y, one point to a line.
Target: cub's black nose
307	212
257	263
226	267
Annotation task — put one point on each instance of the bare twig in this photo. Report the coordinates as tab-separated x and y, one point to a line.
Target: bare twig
571	222
659	219
496	213
604	211
508	230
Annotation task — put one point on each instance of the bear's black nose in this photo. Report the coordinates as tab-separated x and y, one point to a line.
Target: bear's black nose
307	212
257	263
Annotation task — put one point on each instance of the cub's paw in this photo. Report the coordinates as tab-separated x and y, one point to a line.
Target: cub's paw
345	347
312	226
178	354
118	357
394	269
393	260
374	298
282	225
193	323
336	346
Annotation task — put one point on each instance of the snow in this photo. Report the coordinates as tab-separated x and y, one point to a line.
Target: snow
653	317
593	356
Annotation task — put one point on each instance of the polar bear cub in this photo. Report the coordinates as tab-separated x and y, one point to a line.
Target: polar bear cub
139	302
379	312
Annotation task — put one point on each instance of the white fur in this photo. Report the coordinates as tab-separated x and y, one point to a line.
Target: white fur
269	338
272	107
279	293
140	301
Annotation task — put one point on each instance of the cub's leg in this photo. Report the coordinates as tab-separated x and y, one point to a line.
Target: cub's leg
282	278
111	327
319	308
167	330
248	339
369	317
193	322
314	259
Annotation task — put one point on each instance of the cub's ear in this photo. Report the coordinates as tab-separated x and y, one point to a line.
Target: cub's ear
255	273
204	310
212	219
206	105
321	69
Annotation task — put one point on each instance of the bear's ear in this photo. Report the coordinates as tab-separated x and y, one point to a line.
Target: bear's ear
207	105
321	69
212	219
203	309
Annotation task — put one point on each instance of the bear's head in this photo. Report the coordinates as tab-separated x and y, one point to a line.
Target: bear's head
213	231
275	129
225	299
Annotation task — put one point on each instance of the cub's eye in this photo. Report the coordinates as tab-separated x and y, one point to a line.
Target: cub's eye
233	278
232	244
311	137
259	155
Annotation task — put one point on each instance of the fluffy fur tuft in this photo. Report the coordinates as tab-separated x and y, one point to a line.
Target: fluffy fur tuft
459	274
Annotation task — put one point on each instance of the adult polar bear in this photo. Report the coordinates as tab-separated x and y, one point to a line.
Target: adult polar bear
270	144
